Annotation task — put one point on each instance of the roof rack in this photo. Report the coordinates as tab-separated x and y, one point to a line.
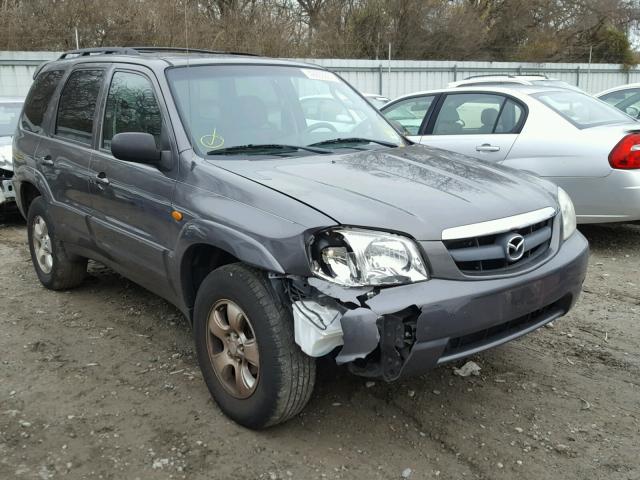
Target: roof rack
189	50
85	52
510	75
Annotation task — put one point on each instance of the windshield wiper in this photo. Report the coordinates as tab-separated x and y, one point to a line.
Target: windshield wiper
267	147
336	141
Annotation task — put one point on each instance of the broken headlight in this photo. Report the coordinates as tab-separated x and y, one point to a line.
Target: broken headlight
355	258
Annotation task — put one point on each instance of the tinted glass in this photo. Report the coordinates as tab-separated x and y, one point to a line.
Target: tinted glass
9	114
131	107
409	113
614	98
510	117
226	105
581	110
77	106
468	114
38	100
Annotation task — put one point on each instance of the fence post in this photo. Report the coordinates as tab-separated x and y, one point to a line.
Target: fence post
628	75
455	73
519	69
380	79
578	76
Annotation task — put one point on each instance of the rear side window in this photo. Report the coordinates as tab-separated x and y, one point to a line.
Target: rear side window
510	118
77	106
38	99
131	107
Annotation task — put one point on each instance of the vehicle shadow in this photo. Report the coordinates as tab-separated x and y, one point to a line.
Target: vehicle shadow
611	236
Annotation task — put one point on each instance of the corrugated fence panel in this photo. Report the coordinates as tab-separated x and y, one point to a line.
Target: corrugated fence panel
392	79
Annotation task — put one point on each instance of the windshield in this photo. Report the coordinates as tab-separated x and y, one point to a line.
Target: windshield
225	106
581	109
9	114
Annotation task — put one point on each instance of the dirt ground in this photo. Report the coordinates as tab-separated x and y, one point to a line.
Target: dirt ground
101	382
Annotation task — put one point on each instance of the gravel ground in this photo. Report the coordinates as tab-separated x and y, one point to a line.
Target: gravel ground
101	382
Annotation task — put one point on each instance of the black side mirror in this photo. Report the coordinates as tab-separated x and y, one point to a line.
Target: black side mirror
135	147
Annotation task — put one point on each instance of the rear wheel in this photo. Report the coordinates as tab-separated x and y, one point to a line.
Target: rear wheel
55	268
245	344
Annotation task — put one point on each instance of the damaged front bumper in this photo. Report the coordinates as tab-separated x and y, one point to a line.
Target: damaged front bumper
408	329
7	193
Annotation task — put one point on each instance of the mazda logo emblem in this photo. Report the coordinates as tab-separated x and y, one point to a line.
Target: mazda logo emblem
515	247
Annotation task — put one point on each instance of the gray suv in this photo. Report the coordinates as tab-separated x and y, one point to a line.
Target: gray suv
284	230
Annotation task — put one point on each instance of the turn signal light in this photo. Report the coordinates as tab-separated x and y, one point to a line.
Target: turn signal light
626	154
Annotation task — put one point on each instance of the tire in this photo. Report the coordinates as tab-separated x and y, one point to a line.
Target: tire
64	271
285	377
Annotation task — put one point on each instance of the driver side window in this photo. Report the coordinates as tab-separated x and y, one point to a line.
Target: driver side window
131	107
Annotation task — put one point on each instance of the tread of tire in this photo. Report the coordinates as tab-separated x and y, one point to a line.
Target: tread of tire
295	391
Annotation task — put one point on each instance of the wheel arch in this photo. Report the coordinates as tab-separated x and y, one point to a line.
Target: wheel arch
206	246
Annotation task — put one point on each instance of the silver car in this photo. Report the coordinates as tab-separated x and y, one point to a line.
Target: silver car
497	80
587	147
624	97
10	108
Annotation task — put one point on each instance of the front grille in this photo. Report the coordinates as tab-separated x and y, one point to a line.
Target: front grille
457	346
487	254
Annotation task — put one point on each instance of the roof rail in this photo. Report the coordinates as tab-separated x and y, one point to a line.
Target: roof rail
189	50
85	52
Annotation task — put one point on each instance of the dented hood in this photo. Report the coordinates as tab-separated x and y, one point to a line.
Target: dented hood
417	190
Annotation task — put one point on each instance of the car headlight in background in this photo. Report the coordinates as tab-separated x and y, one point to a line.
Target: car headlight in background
356	257
568	214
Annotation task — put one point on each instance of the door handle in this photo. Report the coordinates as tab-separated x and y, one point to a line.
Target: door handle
485	147
46	160
101	179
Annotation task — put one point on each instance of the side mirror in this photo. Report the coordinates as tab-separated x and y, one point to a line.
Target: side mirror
135	147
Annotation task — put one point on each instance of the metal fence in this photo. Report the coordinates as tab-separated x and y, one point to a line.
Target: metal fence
391	79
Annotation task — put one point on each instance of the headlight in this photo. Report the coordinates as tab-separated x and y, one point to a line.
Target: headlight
568	214
355	258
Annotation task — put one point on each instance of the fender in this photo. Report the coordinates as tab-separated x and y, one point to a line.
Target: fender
27	174
238	244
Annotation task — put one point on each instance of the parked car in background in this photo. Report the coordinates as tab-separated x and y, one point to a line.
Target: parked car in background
624	97
587	147
376	100
282	239
539	80
10	108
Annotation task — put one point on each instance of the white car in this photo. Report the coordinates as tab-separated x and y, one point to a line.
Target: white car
376	100
506	80
10	109
585	146
624	97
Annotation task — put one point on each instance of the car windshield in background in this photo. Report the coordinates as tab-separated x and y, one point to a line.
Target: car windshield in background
582	110
9	114
225	106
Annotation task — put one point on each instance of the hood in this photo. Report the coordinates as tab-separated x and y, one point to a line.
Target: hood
6	158
415	190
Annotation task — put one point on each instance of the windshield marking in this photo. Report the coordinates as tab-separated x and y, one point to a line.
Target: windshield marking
213	141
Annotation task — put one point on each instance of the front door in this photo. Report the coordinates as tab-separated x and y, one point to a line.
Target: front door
481	125
132	222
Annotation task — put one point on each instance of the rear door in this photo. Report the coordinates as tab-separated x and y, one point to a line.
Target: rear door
132	223
482	125
64	155
410	115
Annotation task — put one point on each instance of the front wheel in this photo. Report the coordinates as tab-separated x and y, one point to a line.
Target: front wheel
246	350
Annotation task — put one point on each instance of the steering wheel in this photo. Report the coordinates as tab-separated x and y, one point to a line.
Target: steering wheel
632	111
318	126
